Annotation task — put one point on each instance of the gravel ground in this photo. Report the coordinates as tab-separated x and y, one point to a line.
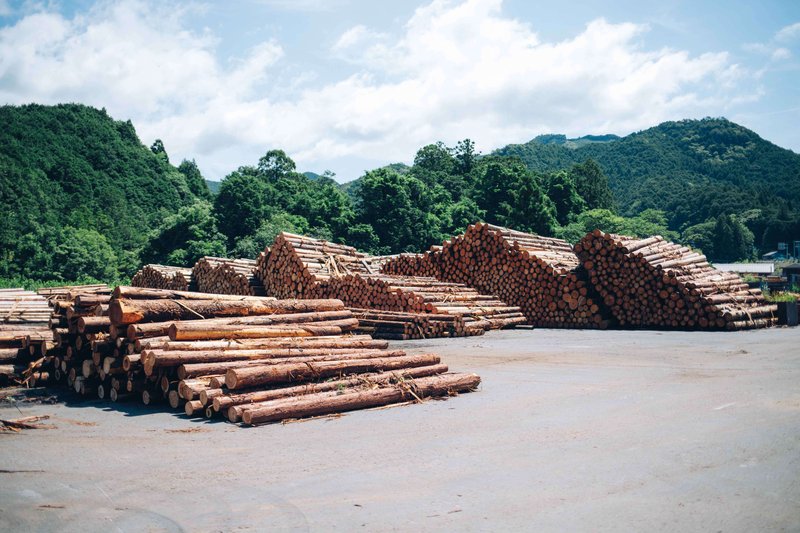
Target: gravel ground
571	430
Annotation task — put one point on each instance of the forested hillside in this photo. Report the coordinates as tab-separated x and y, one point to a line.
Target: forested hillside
83	198
696	171
79	192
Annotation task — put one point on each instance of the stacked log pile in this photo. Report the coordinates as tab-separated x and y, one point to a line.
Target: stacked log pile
216	275
164	277
655	283
396	325
24	328
79	338
302	267
251	359
541	275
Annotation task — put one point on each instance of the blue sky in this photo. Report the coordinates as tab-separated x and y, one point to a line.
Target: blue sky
349	85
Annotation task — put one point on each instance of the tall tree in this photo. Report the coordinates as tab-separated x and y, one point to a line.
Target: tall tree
592	185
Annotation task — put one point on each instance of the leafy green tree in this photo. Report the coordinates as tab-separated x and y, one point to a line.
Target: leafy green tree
251	245
244	201
466	156
563	192
592	185
461	214
400	210
732	240
363	237
194	179
512	196
158	148
532	210
185	236
84	253
275	164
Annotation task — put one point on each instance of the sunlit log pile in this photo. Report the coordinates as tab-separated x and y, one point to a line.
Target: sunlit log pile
655	283
24	328
302	267
164	277
250	359
541	275
227	276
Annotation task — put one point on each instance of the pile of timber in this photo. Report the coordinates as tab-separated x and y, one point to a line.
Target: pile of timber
541	275
250	359
78	336
24	327
655	283
164	277
476	312
300	267
217	275
396	325
303	267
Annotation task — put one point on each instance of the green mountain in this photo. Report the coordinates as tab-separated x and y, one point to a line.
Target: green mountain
694	170
80	193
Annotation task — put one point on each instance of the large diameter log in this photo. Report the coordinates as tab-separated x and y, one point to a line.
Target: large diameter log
336	402
141	293
93	324
190	370
268	320
166	358
178	331
239	402
133	311
338	341
237	378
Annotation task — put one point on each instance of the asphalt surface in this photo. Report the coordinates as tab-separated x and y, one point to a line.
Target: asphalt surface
570	431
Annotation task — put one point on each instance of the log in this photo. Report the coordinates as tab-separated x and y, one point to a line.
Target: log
133	311
335	402
222	400
237	378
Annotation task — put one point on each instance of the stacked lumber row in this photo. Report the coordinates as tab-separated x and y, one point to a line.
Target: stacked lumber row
541	275
24	318
302	267
659	284
396	325
258	360
164	277
217	275
477	313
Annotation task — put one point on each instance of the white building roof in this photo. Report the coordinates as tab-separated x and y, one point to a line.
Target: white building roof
747	268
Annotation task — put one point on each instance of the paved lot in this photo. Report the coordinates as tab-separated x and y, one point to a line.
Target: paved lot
571	430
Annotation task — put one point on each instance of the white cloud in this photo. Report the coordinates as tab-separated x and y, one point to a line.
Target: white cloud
457	70
788	33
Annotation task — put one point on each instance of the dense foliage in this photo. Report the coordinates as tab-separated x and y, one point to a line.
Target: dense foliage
84	199
80	194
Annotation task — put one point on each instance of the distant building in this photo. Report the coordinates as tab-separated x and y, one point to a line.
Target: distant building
776	255
792	274
759	269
